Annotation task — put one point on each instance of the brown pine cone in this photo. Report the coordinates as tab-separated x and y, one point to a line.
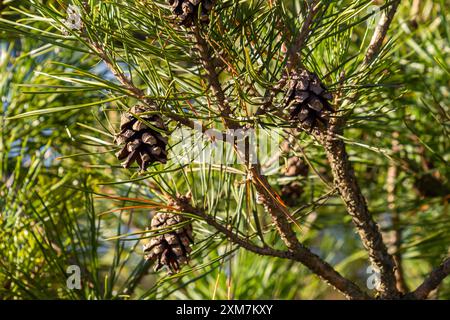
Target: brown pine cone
142	142
295	166
291	193
171	247
307	99
187	11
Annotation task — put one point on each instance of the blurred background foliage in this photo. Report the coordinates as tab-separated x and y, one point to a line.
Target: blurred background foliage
65	200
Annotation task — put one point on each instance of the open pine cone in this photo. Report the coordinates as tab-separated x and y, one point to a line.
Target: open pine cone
172	248
141	143
307	99
187	11
295	166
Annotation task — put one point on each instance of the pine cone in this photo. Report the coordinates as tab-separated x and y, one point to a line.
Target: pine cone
143	144
186	11
429	186
307	99
296	167
172	248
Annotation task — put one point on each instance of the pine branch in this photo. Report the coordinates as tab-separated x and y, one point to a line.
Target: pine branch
277	210
380	33
392	174
433	280
345	180
347	184
300	254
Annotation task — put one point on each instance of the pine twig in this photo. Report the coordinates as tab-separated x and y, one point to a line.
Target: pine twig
294	52
397	231
433	280
347	184
380	33
213	78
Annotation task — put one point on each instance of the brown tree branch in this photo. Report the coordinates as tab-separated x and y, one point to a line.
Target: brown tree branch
347	184
345	181
395	216
294	52
433	280
213	79
301	254
274	207
380	33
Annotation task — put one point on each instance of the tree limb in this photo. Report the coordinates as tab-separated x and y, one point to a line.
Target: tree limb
380	33
347	184
345	181
301	254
